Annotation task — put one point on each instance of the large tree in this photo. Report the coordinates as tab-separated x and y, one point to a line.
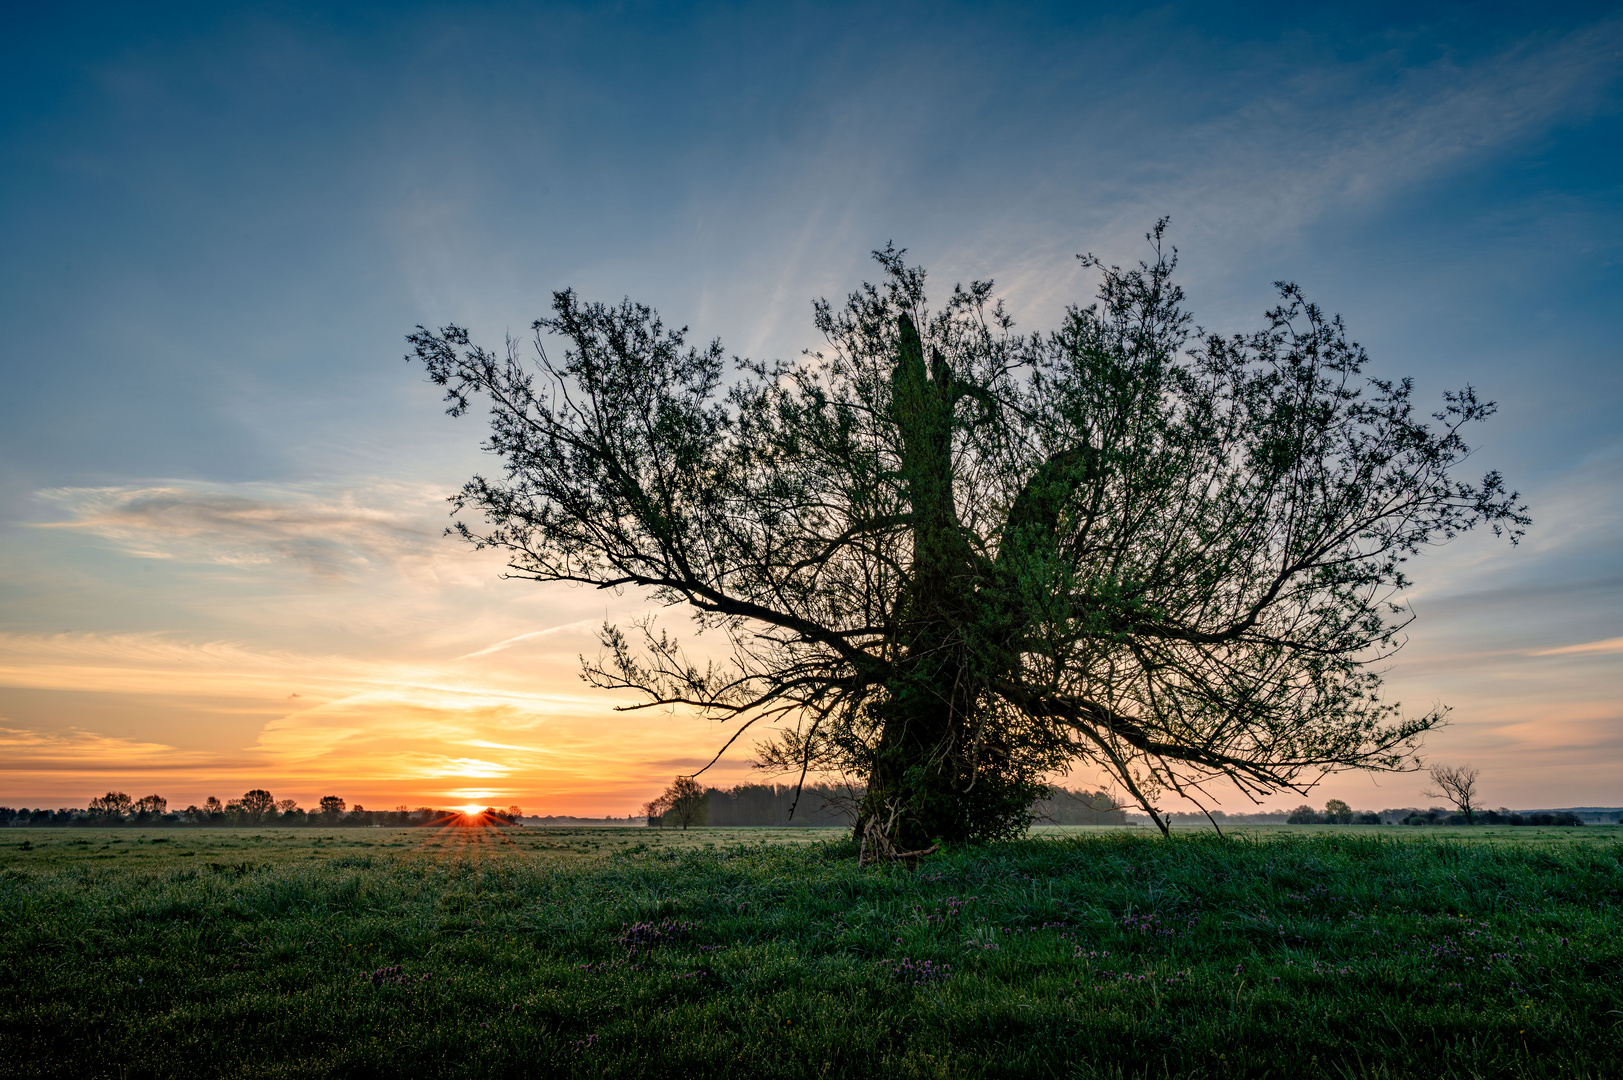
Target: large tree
953	559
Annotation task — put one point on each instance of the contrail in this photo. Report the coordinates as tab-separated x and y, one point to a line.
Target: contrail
500	645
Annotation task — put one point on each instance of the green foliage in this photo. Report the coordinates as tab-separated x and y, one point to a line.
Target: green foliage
606	952
684	803
957	559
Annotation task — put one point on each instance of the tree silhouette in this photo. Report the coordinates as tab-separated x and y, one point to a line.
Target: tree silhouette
1456	784
953	560
256	804
114	804
684	803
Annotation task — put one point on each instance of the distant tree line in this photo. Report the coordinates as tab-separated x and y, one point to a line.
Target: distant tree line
1440	816
819	805
1337	812
256	807
1455	784
576	819
1066	807
687	803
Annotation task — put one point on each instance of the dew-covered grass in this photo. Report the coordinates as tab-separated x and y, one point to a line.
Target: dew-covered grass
747	952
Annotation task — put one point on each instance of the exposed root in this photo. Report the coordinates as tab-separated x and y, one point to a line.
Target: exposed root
878	841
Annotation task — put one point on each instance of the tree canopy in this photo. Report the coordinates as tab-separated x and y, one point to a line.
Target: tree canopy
952	559
684	803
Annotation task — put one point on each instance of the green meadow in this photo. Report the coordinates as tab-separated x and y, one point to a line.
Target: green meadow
1274	952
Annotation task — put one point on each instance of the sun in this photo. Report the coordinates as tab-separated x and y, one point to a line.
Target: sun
471	810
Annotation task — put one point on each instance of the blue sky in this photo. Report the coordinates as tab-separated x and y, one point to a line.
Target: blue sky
220	484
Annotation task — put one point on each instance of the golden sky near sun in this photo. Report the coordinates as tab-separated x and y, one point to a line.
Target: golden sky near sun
385	664
326	641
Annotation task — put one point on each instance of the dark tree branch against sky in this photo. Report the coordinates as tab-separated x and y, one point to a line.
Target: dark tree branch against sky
221	504
953	559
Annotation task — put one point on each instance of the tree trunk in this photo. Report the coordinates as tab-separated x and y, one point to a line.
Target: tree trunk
914	786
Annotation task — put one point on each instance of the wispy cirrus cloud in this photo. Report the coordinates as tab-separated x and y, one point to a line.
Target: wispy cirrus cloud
1611	646
533	635
32	753
330	534
1300	144
1327	140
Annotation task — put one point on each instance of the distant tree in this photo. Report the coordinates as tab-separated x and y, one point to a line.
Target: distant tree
151	805
1366	817
114	804
1304	815
684	803
690	804
1456	784
502	818
959	559
1337	812
256	804
213	810
286	806
332	807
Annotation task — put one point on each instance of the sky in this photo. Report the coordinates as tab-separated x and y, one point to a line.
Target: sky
222	491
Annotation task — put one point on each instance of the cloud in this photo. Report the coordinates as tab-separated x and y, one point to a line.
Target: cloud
78	752
484	744
1431	120
473	768
328	534
583	624
1307	141
1588	648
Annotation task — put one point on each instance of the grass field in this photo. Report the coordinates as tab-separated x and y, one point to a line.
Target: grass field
1284	952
